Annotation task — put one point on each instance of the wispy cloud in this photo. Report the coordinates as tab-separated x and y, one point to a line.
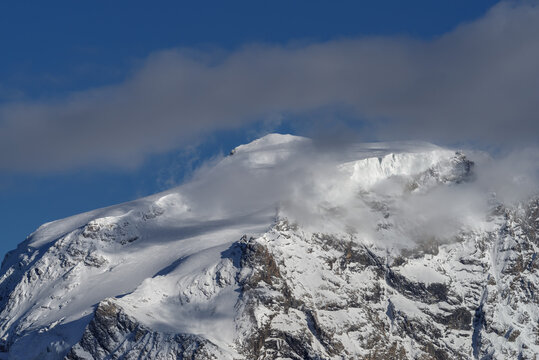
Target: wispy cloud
326	192
479	82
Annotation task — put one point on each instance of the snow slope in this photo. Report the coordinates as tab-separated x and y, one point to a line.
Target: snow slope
284	250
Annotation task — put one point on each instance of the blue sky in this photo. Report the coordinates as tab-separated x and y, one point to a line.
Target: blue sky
55	52
52	49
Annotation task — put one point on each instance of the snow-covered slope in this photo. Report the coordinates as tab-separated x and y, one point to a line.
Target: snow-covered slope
284	250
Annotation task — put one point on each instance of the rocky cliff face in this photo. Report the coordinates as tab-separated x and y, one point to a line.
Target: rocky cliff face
113	335
346	300
369	276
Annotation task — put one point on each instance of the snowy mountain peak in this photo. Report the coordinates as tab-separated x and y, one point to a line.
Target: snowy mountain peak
284	250
272	142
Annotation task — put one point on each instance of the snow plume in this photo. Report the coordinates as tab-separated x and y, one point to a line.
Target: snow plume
478	82
398	194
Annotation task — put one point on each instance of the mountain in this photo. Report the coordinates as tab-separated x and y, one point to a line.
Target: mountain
290	249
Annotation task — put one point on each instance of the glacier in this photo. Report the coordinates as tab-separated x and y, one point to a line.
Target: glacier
286	250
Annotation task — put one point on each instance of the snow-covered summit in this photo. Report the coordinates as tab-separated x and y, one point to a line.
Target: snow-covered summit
272	142
285	250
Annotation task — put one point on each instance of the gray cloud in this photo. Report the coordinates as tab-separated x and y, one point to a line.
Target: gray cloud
479	82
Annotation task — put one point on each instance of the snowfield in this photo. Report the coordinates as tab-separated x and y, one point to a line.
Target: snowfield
286	250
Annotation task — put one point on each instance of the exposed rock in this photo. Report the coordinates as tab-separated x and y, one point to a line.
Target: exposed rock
113	335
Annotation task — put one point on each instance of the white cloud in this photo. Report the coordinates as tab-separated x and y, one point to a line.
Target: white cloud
313	187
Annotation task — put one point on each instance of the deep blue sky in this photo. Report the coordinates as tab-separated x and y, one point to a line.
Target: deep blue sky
49	49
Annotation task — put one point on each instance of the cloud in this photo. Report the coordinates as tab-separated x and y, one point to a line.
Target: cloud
362	190
479	82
